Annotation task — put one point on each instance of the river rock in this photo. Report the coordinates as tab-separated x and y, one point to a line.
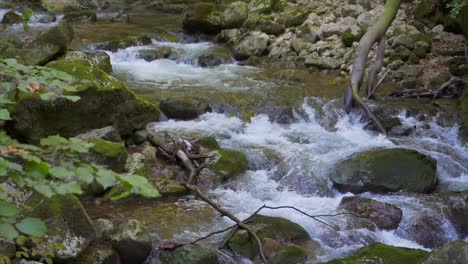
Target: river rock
81	16
108	133
235	15
48	18
403	40
194	254
381	253
47	46
455	252
11	18
375	171
323	63
67	223
132	242
99	58
229	163
145	39
282	238
156	54
34	118
229	36
104	228
7	248
265	6
63	5
183	108
250	44
427	231
384	215
203	18
99	254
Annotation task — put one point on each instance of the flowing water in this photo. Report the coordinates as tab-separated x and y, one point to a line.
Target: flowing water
289	163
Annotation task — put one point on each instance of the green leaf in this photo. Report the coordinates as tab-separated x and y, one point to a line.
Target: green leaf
53	141
47	96
61	173
73	98
79	145
11	62
8	231
63	85
37	170
3	167
140	185
4	100
106	178
120	196
32	226
18	178
71	187
43	189
7	209
85	174
62	75
5	114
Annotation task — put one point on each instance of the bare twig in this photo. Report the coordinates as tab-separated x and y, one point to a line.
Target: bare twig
379	83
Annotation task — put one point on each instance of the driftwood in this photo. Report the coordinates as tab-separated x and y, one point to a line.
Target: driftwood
427	93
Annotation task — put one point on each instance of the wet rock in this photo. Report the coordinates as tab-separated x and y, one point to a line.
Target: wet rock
234	15
214	57
67	223
250	44
375	171
403	40
97	255
156	54
209	143
421	48
455	252
83	16
48	18
108	133
203	18
183	109
229	163
64	5
11	18
280	235
381	253
290	254
7	248
35	118
99	58
384	215
195	254
146	39
132	242
265	24
104	228
427	231
457	214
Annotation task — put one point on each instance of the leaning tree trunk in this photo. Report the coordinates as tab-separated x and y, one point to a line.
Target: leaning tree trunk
374	34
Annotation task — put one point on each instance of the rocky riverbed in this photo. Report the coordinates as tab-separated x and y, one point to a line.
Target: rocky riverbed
257	85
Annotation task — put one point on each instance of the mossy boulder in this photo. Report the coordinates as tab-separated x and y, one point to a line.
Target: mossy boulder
384	254
67	222
251	44
183	108
209	143
229	163
194	254
11	18
203	18
282	238
455	252
132	242
349	36
234	15
99	58
386	170
47	46
105	101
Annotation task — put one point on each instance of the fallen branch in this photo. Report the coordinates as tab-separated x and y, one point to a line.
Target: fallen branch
425	93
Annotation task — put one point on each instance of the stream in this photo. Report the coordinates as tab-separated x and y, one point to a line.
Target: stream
289	164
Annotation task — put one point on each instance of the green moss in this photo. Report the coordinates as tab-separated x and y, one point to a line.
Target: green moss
194	254
266	6
104	101
107	148
209	142
292	254
230	163
421	37
381	253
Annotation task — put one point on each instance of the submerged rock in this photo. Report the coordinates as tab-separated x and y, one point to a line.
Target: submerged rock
104	101
384	254
384	215
455	252
386	170
427	231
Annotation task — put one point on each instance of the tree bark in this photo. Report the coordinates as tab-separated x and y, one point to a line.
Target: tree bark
373	34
